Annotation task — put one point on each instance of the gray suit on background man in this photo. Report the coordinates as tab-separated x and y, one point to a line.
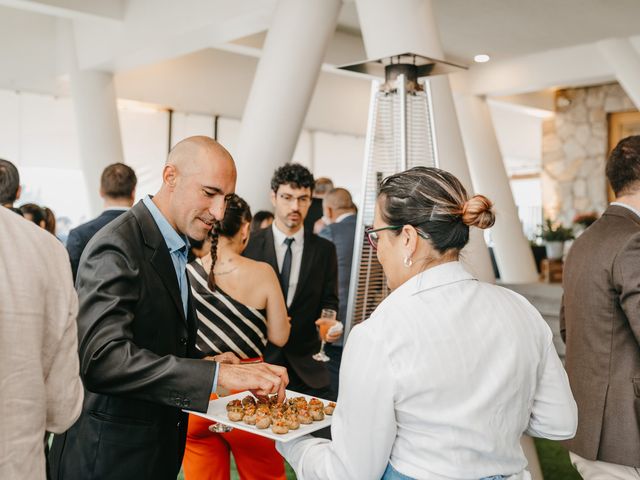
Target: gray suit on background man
339	209
600	322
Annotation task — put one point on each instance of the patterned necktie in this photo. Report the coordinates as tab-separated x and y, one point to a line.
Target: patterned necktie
285	273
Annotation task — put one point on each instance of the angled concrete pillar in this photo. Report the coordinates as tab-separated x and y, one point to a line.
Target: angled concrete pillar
624	60
452	158
281	92
512	251
96	109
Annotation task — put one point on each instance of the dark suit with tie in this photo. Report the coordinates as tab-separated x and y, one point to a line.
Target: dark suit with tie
342	235
137	353
80	236
316	290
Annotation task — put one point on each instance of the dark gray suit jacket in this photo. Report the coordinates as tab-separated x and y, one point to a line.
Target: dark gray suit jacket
316	290
137	363
600	322
342	235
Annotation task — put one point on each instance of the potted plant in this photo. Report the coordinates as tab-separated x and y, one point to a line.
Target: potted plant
554	236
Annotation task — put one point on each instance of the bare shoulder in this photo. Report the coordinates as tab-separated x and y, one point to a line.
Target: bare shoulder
265	269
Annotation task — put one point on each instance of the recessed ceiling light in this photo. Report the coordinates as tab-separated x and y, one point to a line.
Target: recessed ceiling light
482	58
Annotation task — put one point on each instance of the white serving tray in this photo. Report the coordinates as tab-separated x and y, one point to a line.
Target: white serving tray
217	412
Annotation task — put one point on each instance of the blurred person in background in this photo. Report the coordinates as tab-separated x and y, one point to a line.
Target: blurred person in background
340	214
448	372
34	213
9	185
248	314
262	219
314	222
118	191
49	220
40	387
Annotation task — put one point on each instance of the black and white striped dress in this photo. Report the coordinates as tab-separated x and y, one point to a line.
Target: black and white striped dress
224	324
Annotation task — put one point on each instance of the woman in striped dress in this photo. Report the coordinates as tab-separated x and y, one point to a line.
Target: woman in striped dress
240	307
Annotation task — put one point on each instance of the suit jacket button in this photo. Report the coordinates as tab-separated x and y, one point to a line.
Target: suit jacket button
186	402
183	340
178	425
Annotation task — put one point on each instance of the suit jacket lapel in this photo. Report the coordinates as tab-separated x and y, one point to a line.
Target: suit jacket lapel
306	263
269	250
159	256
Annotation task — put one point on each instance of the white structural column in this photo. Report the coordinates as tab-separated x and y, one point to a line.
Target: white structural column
488	174
94	100
281	92
451	156
624	60
391	28
96	108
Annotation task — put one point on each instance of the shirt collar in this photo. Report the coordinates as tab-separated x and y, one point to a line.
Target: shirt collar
628	207
175	242
343	216
116	209
279	237
444	274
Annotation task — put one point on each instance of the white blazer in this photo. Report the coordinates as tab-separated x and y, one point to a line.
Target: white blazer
40	387
442	381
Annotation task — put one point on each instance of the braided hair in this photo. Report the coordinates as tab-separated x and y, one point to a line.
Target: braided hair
236	214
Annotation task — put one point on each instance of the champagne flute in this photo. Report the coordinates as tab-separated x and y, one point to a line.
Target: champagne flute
324	329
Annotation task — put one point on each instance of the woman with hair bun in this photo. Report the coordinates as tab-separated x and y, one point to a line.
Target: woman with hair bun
448	372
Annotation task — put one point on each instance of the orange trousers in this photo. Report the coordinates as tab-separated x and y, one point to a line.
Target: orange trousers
206	455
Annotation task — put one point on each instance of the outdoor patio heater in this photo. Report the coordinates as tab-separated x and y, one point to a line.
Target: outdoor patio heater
400	135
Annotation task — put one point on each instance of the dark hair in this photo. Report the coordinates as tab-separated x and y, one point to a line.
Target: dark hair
193	246
292	174
118	181
322	185
37	213
49	220
434	202
258	218
9	182
623	166
236	214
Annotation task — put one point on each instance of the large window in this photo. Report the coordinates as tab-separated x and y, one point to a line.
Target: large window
38	134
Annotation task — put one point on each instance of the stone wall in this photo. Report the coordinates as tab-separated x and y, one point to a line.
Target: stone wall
574	150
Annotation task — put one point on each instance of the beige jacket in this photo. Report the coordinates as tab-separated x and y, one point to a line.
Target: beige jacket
600	320
40	386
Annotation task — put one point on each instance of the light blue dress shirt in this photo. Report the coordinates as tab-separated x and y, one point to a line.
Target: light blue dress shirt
178	246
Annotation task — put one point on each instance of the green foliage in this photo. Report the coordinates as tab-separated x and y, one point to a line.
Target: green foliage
555	232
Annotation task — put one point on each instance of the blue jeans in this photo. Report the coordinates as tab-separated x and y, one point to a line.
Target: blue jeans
392	474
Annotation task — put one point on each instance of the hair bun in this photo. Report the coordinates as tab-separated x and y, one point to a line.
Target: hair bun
478	212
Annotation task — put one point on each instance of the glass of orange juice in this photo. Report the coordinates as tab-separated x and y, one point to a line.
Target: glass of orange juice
330	314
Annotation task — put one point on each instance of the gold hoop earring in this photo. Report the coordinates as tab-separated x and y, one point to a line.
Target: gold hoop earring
407	261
